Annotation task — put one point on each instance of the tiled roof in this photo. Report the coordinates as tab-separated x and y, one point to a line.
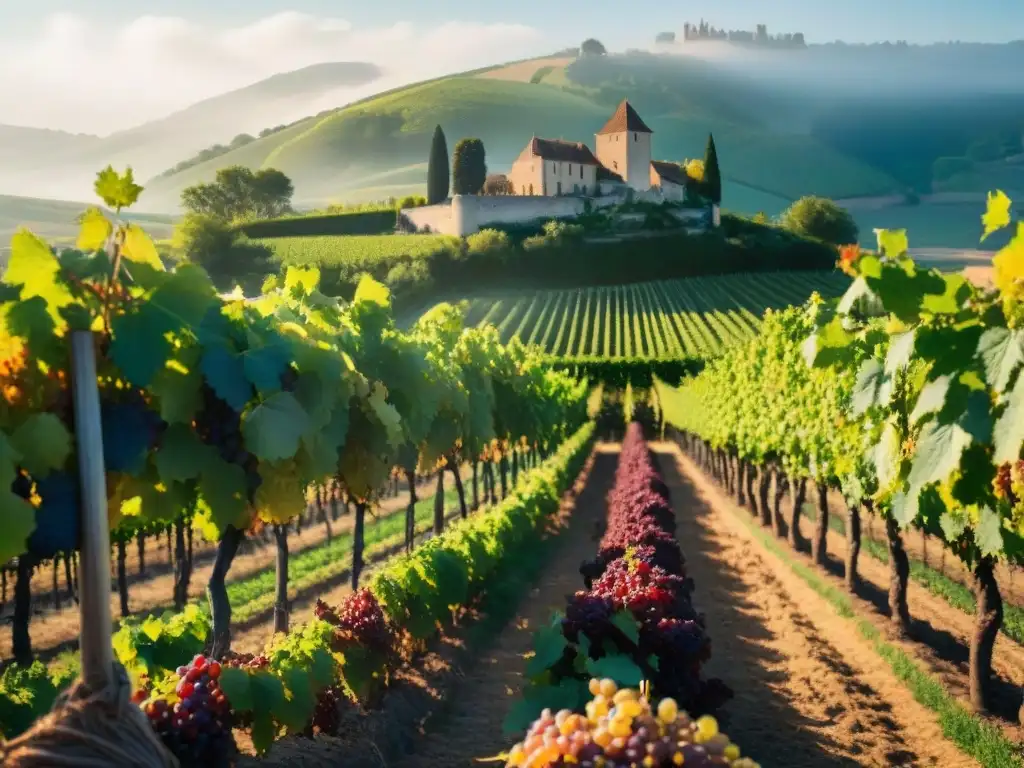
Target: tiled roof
564	151
604	173
625	119
670	172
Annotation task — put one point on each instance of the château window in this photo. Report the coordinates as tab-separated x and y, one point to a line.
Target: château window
558	188
531	189
636	137
554	167
570	169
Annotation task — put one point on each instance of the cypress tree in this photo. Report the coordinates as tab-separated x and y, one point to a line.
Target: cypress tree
437	169
712	173
469	167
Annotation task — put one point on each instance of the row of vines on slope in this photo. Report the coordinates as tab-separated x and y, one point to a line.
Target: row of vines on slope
229	408
322	676
906	395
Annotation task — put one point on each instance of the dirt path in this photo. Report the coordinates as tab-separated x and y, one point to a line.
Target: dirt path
809	692
471	726
55	629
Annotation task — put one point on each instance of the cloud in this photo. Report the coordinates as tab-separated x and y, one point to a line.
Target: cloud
79	76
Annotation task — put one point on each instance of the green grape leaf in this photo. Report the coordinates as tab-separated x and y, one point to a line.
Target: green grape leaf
988	533
829	346
43	442
273	429
139	248
1001	352
18	521
184	297
372	291
32	321
860	297
902	289
223	490
900	350
869	387
568	694
181	455
264	365
178	391
953	524
297	709
140	347
32	265
622	669
932	398
892	243
94	229
997	213
549	645
386	413
951	349
958	290
905	506
304	278
938	452
886	456
625	621
117	190
237	686
1009	429
225	372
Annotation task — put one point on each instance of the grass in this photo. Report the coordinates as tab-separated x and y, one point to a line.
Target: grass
333	156
980	740
53	219
354	252
691	317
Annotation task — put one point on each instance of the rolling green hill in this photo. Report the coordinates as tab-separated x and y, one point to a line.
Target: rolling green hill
380	144
56	219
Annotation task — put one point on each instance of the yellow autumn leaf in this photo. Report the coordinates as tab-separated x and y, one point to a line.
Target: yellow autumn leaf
93	230
997	213
370	290
892	242
138	247
1008	264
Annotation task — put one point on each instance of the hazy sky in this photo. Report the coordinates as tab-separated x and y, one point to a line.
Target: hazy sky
101	65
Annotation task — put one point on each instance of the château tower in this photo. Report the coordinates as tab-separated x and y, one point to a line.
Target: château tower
624	147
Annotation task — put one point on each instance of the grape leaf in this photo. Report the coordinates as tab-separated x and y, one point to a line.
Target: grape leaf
1009	429
627	624
988	533
622	669
265	364
958	289
304	278
868	389
32	321
94	229
386	414
17	521
1001	351
117	190
139	248
1008	263
549	645
892	243
297	709
938	452
184	297
225	373
181	455
902	289
140	347
273	429
953	524
43	442
932	398
830	346
222	487
901	347
32	265
997	213
236	685
177	389
372	291
886	456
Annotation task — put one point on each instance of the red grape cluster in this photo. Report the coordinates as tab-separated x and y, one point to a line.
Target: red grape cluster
1009	482
245	661
359	619
197	727
640	569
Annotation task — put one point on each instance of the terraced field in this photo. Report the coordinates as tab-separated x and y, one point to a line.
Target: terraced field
671	318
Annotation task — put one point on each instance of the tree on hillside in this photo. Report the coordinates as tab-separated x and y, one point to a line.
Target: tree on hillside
437	168
592	47
712	186
820	218
469	167
498	184
241	193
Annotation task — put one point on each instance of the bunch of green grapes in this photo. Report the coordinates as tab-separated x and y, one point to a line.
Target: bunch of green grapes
622	730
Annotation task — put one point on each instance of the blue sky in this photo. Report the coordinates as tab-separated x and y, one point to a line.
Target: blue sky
863	20
62	62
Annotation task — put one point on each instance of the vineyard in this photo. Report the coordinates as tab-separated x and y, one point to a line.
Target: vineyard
329	539
355	252
692	317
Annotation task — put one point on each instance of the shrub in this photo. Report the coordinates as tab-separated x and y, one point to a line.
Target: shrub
227	255
822	219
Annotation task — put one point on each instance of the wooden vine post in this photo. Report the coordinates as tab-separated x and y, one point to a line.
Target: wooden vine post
94	565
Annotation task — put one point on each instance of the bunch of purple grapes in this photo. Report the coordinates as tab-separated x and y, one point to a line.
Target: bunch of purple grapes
327	715
360	619
588	614
197	727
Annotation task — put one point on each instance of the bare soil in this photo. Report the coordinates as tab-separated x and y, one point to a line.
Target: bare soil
809	692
